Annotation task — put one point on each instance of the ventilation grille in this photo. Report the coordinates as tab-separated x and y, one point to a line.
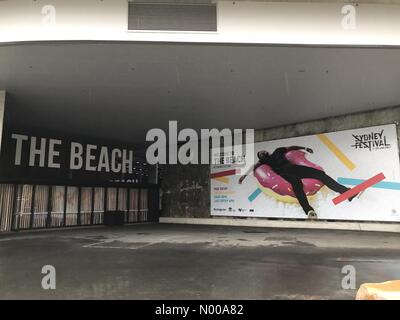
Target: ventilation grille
173	16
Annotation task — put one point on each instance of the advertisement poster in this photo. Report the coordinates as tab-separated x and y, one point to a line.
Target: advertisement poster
366	159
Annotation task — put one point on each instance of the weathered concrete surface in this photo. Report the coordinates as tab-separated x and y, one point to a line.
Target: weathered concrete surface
156	261
287	224
346	122
190	184
186	191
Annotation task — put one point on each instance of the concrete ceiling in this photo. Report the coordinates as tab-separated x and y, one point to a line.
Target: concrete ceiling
119	91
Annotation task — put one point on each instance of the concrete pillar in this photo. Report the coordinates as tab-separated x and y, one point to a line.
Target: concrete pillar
2	107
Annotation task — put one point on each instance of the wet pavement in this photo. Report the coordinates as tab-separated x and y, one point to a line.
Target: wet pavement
161	261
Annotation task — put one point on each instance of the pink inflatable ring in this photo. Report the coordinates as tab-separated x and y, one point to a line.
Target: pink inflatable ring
274	185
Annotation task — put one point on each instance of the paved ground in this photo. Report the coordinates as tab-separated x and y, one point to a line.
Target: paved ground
156	261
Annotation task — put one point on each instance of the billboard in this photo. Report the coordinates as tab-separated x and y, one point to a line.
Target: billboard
345	175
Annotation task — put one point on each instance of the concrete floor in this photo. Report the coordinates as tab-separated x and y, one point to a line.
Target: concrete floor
156	261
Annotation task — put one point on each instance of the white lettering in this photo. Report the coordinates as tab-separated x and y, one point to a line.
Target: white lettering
89	157
76	154
115	164
53	153
18	147
104	162
40	152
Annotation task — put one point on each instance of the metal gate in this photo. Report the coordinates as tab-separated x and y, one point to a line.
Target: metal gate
86	206
24	207
27	206
56	218
6	206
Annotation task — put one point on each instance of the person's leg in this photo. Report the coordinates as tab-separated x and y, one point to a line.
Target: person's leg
298	190
308	172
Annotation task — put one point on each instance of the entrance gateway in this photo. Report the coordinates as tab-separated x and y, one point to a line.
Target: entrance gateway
50	180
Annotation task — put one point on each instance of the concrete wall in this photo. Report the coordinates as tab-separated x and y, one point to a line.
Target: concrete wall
186	189
278	22
2	106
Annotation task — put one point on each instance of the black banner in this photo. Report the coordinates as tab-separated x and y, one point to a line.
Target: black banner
211	309
31	157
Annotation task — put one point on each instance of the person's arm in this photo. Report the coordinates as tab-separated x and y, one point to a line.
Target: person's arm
292	148
247	173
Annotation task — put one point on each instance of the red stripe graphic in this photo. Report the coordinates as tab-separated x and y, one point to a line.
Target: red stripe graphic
358	188
223	173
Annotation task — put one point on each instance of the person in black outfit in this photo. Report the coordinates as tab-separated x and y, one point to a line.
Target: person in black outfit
293	174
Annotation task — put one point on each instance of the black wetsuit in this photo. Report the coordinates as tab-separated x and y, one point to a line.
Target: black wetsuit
293	174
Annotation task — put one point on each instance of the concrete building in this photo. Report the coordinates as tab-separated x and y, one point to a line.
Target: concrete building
83	82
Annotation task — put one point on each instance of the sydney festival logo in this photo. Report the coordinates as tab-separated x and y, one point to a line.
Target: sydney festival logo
370	141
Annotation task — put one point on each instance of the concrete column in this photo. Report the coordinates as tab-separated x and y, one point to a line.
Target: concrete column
2	107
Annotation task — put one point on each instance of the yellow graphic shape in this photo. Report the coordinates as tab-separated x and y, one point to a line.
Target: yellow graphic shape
224	192
222	179
336	151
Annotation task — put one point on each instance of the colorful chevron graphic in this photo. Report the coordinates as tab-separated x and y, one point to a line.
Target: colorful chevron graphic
255	194
358	188
381	185
336	151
